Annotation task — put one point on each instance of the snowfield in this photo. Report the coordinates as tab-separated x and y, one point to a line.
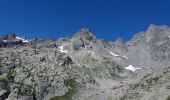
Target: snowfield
61	49
113	54
23	40
130	67
125	57
91	52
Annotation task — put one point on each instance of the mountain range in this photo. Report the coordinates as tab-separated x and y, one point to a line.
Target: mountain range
83	67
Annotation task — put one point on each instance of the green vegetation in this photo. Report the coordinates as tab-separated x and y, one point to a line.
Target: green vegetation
168	98
5	84
109	98
71	92
116	77
1	65
11	75
122	98
7	87
26	91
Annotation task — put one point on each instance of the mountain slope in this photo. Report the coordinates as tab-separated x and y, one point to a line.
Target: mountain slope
84	67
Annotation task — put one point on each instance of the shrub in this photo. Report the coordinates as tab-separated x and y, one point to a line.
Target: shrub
168	98
71	92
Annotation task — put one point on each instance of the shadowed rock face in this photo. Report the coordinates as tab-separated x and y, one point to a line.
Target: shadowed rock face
83	67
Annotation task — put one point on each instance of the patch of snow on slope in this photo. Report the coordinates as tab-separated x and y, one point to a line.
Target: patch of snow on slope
125	57
91	52
4	40
113	54
130	67
61	49
23	40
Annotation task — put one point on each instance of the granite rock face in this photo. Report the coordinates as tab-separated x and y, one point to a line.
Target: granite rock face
84	67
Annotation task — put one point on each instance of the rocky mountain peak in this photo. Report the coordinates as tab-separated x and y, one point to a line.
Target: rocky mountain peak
9	36
120	42
153	28
157	33
154	34
84	33
84	30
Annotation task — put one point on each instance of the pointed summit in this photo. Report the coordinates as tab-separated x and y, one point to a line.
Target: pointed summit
84	30
84	33
120	42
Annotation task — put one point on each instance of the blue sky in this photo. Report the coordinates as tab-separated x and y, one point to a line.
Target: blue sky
107	19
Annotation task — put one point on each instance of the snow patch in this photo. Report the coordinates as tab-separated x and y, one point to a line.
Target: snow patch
4	40
125	57
91	52
61	49
113	54
130	67
23	40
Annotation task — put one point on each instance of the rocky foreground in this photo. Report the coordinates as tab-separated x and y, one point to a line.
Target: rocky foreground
83	67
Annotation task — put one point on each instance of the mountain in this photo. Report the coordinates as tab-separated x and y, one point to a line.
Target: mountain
11	39
84	67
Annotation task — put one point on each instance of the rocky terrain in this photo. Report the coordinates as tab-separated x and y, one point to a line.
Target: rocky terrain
83	67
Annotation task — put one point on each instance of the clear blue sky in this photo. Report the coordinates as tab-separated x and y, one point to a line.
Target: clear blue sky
107	19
